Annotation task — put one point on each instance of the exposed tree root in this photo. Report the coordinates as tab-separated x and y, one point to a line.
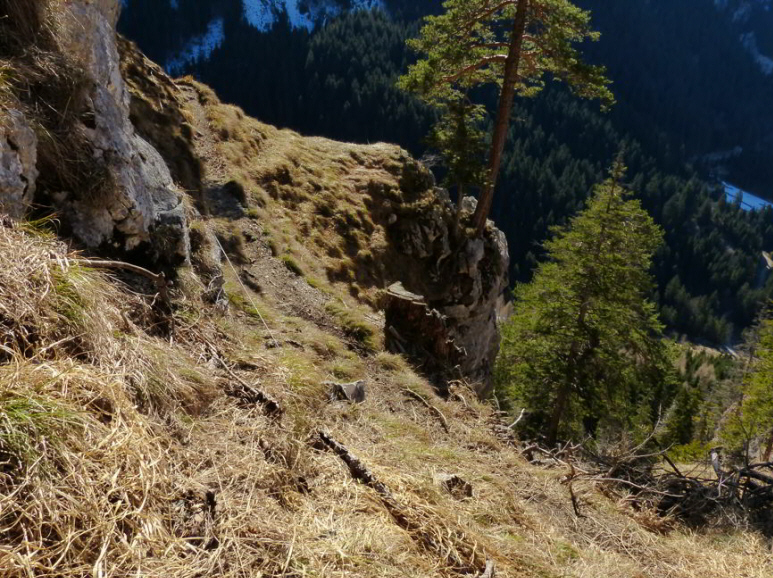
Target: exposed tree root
431	407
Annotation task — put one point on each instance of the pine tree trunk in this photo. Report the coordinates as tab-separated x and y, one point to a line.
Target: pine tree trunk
768	448
506	98
558	413
565	391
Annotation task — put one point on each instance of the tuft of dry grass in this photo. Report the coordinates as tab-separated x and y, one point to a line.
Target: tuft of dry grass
354	324
292	265
83	481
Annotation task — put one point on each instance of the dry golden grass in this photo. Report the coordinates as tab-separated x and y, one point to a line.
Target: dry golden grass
327	204
121	456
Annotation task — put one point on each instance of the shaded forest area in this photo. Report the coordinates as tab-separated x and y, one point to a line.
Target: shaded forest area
683	92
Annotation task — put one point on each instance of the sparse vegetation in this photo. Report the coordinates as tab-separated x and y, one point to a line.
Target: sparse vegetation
391	362
292	265
254	214
353	324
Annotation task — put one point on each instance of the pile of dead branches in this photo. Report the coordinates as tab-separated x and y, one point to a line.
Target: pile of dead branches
720	495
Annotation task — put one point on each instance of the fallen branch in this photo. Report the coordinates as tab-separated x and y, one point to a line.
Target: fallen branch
247	392
737	495
159	279
253	395
517	420
569	481
575	502
673	465
431	407
360	472
357	468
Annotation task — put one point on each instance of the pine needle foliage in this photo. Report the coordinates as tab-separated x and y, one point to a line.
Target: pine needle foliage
514	45
466	47
583	352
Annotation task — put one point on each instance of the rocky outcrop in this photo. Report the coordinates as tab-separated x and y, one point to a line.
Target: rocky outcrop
134	204
377	218
144	205
18	163
446	313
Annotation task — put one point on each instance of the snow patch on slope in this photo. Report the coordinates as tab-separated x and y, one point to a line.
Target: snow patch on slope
263	14
259	13
749	40
198	48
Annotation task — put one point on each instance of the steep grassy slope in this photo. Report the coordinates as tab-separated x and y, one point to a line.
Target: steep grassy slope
134	441
126	453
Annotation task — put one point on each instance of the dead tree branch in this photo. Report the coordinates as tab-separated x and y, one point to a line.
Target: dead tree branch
429	406
159	279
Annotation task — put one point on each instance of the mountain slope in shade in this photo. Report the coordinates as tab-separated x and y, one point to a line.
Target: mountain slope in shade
753	21
182	33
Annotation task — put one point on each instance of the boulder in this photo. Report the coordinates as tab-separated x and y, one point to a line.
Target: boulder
353	392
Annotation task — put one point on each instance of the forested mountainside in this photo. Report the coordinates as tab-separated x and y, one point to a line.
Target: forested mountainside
693	108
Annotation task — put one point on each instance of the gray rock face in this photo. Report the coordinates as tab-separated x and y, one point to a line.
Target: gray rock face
143	204
18	158
462	283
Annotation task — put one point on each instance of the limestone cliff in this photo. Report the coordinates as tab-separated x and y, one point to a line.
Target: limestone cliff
133	202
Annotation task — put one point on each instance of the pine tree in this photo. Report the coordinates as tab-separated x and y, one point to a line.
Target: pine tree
511	43
584	346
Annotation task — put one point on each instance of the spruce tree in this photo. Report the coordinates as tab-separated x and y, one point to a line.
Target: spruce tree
584	347
509	43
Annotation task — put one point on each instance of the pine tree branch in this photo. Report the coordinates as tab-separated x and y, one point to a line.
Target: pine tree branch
482	63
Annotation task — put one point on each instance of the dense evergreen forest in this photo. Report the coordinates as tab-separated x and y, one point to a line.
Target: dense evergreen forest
685	94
